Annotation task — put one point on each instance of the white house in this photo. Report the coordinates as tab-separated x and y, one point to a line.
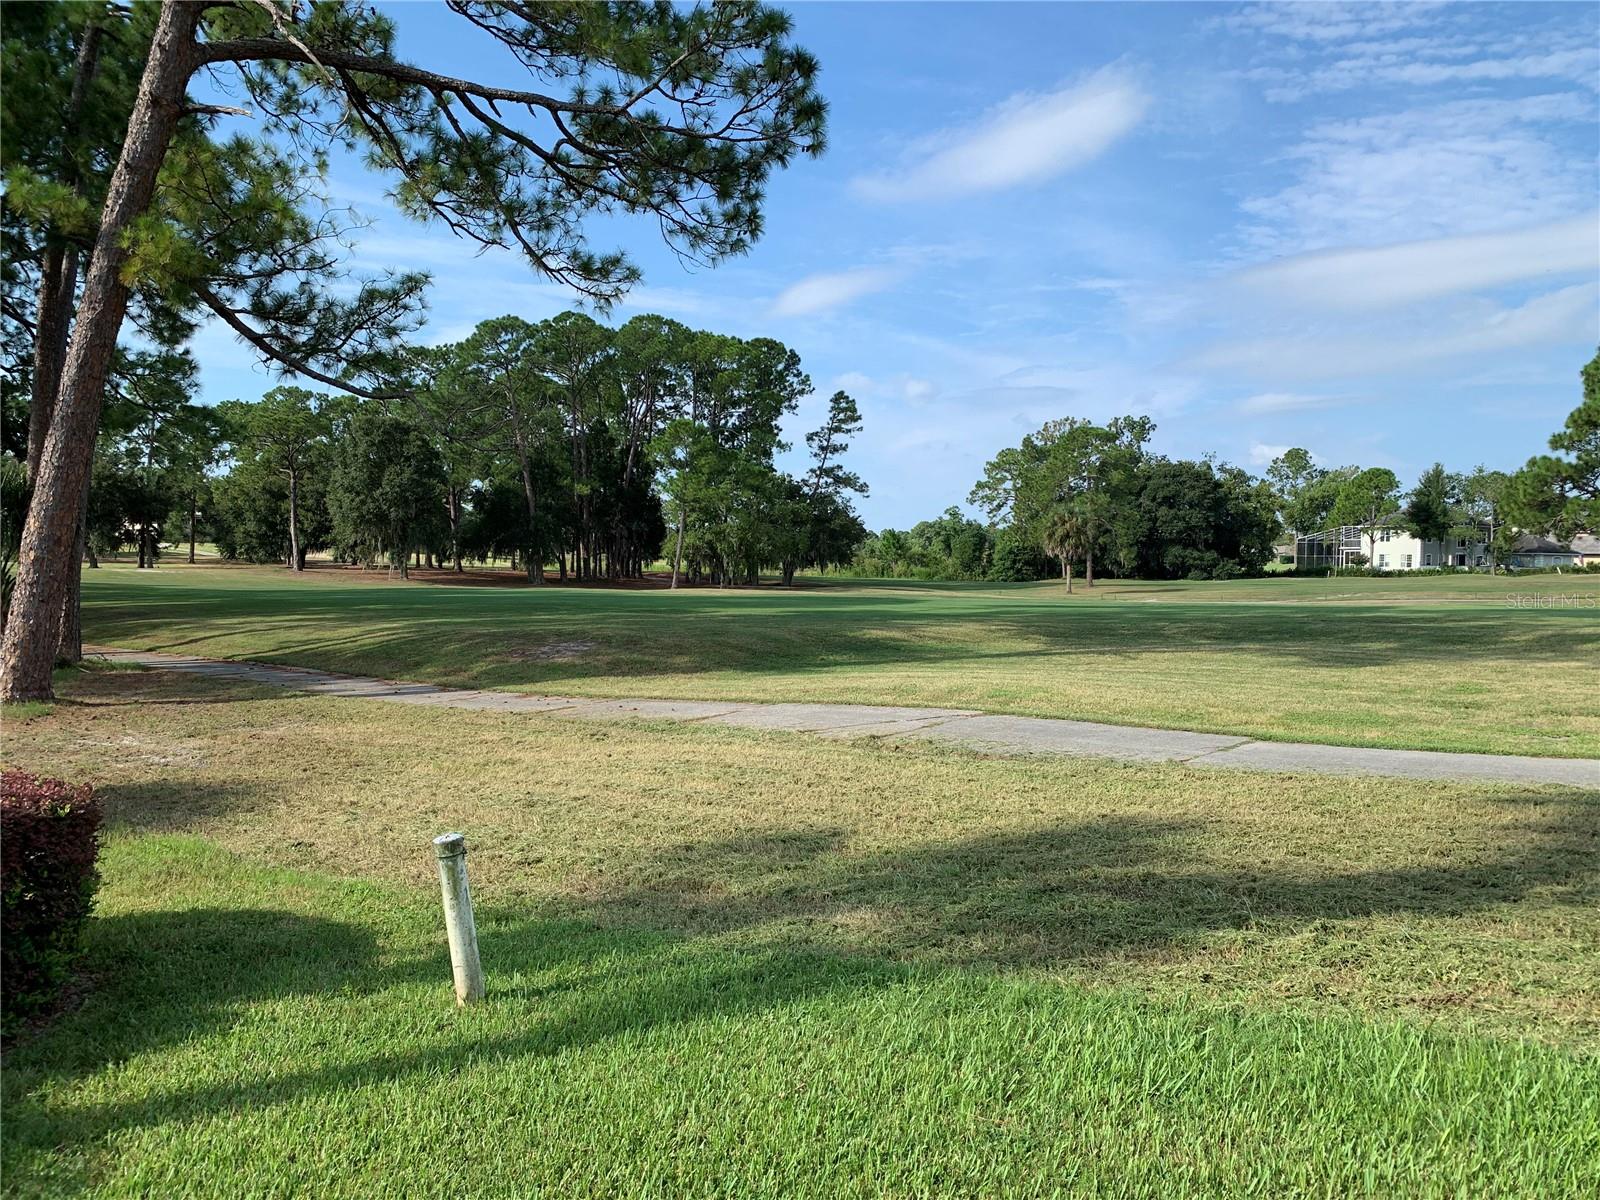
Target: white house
1387	548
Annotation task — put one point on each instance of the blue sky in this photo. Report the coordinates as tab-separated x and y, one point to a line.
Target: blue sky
1369	230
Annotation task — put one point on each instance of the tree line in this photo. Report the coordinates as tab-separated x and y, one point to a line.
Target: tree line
1076	496
563	444
1079	497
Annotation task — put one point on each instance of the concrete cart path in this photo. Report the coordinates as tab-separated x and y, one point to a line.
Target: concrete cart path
981	731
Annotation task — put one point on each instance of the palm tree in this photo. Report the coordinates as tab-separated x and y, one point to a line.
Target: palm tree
1066	532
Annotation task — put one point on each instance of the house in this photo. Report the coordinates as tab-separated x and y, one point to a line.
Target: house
1388	547
1587	547
1531	550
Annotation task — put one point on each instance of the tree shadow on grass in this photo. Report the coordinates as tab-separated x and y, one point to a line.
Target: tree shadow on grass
171	978
1079	893
166	805
158	978
256	694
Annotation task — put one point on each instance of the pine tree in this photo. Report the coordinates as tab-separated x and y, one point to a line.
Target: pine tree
693	110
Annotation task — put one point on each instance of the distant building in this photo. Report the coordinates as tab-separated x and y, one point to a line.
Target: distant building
1587	547
1391	547
1531	550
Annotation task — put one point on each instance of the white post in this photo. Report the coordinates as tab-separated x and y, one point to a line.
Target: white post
451	849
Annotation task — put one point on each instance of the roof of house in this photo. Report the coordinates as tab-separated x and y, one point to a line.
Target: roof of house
1530	543
1586	543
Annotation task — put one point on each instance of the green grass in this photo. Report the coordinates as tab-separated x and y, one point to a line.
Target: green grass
1443	663
732	963
262	1032
25	711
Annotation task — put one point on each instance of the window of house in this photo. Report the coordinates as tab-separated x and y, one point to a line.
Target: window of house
1383	561
1427	560
1406	562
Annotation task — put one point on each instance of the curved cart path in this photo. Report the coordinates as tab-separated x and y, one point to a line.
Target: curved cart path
982	731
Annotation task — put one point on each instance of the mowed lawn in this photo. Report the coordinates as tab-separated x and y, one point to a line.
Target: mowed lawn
724	962
1445	663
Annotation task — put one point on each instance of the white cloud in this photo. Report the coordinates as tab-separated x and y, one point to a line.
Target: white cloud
1099	390
1569	315
1282	402
1027	139
1575	63
1262	454
909	388
1387	66
1467	166
1421	62
1307	49
1330	21
818	293
1385	276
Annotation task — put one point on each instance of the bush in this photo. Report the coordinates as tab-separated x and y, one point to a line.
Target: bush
1015	561
1587	569
49	838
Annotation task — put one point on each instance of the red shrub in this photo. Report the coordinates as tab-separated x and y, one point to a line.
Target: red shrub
49	837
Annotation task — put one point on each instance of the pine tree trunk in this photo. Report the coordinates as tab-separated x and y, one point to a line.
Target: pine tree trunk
58	280
1088	566
677	550
50	534
453	504
294	520
49	348
530	498
54	327
69	641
